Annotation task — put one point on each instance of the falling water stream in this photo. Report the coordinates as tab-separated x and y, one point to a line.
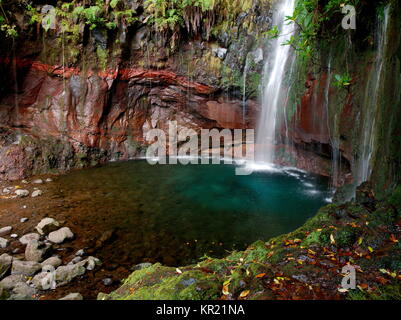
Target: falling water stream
371	101
274	92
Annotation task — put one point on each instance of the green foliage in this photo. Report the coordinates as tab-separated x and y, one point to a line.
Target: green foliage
170	14
342	80
114	3
8	28
33	14
273	33
310	16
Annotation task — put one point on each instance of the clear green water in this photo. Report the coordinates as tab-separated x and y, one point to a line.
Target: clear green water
176	214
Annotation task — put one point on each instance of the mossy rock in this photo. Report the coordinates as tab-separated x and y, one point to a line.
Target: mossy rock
164	283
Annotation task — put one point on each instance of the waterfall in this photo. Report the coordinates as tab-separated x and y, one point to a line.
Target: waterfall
274	90
371	102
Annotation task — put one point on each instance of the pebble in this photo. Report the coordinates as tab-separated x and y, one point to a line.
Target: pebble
14	236
107	281
80	253
3	243
36	193
6	190
37	181
23	220
76	260
49	180
73	296
5	231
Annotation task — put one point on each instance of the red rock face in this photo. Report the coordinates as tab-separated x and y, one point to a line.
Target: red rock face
110	112
311	123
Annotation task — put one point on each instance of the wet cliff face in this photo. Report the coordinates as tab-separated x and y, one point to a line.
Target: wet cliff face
348	110
80	97
82	93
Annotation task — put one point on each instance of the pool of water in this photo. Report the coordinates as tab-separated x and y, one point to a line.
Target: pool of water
176	214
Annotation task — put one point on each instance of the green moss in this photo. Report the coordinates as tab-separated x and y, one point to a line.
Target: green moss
102	55
388	292
163	283
346	237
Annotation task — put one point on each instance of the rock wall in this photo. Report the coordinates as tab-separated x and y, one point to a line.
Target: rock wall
77	96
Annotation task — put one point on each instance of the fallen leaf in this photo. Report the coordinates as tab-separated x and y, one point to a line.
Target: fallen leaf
225	290
260	275
178	271
332	239
244	293
342	290
393	238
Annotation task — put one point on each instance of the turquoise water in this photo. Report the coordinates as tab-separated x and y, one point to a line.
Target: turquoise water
176	214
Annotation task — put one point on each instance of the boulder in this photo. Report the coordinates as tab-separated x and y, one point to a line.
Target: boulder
3	243
52	261
45	280
36	251
25	239
5	264
73	296
22	193
61	235
5	231
3	293
47	225
22	291
9	282
65	274
28	268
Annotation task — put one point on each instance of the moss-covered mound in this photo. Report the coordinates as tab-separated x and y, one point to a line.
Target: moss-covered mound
304	264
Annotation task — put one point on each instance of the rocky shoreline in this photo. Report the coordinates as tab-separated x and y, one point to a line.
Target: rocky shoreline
28	274
44	258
